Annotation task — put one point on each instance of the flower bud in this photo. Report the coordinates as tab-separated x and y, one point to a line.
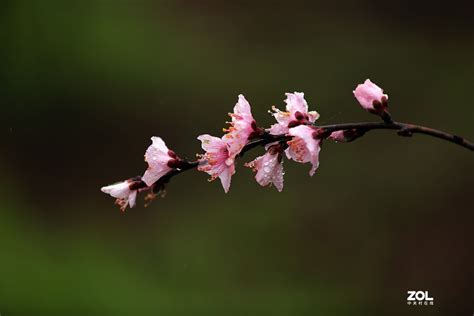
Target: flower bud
346	135
371	97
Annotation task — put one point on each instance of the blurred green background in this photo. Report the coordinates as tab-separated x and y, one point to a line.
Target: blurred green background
86	84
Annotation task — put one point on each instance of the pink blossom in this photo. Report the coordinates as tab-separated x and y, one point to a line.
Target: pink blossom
218	162
242	126
160	161
371	96
269	168
296	114
125	192
305	146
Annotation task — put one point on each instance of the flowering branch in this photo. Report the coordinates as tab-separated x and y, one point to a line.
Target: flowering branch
294	134
404	129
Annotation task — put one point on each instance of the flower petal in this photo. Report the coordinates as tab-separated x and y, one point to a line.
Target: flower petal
242	126
132	198
157	156
217	161
269	168
304	147
211	143
242	108
120	190
295	102
152	175
225	177
337	136
278	129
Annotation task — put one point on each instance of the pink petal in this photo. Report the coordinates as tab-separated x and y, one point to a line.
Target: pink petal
313	116
210	143
297	150
315	158
242	108
217	161
132	198
225	177
337	136
152	175
157	156
305	132
295	102
283	118
269	170
297	112
304	147
242	126
278	129
159	144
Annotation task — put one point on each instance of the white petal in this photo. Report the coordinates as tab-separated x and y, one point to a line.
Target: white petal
159	144
278	129
119	190
211	143
152	175
242	107
296	102
132	198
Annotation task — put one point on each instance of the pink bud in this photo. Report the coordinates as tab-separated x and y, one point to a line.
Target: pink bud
371	97
337	136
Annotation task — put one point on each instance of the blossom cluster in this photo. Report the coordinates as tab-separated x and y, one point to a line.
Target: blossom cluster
294	136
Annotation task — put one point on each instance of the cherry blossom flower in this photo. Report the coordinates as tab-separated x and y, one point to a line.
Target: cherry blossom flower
269	167
160	161
371	97
305	146
218	162
296	114
125	192
243	126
